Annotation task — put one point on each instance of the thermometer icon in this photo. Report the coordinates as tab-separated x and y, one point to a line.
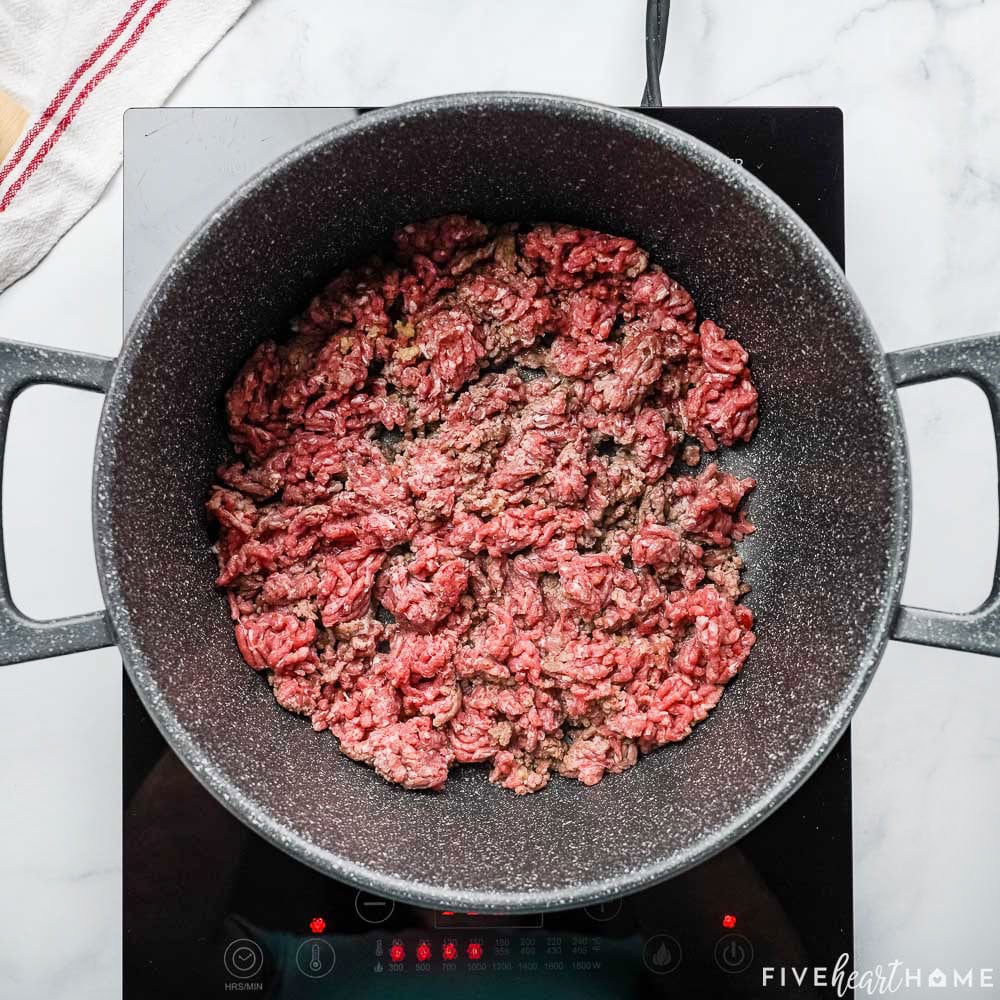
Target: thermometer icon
315	958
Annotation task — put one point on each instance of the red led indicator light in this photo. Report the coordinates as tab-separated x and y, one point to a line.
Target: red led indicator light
317	925
729	921
449	952
397	952
423	952
474	951
447	913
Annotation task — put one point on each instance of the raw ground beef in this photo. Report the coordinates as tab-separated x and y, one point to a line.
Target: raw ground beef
455	530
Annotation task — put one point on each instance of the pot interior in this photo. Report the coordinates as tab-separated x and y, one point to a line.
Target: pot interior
830	505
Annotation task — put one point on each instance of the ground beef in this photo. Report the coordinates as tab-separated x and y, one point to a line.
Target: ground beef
456	530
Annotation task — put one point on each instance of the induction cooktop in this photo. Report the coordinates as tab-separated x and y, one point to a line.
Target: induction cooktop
211	910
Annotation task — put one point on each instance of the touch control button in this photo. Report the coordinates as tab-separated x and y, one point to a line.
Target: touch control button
603	912
733	953
661	954
243	958
315	958
373	909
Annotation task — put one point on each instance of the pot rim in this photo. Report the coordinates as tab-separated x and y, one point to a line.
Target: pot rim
201	764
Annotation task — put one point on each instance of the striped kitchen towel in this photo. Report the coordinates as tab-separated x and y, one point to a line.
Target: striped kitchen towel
68	70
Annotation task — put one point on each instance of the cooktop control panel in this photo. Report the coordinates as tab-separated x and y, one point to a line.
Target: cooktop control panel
609	949
673	940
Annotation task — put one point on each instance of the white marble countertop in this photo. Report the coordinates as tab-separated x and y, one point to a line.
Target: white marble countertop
919	84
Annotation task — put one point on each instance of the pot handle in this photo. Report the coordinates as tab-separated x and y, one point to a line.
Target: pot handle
657	16
976	359
23	638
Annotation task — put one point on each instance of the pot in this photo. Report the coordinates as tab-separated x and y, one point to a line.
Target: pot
832	505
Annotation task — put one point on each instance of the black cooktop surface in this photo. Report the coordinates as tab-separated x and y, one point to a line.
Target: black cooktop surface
211	910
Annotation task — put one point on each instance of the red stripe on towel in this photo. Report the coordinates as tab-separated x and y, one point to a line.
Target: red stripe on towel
56	102
78	102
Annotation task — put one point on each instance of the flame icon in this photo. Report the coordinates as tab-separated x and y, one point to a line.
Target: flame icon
662	955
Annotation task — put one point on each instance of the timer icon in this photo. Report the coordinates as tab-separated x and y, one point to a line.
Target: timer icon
243	958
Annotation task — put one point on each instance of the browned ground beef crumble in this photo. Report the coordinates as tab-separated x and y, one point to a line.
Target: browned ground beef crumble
454	531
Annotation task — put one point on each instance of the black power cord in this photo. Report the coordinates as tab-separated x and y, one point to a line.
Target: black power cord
657	15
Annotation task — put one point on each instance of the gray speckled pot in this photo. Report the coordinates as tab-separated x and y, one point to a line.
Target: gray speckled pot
831	508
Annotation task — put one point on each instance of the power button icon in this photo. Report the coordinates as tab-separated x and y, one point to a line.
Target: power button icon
733	953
